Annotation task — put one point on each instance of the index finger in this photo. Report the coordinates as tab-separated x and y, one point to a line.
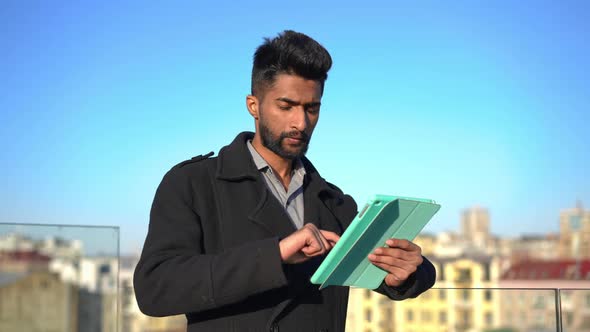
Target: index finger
402	244
330	236
323	243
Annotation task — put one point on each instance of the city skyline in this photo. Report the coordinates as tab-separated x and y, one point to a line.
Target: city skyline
465	104
97	240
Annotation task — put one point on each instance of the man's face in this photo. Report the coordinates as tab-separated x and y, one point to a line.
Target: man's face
288	114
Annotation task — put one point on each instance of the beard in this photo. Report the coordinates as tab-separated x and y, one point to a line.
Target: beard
275	144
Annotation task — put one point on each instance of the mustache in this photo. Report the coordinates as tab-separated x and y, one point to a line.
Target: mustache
295	134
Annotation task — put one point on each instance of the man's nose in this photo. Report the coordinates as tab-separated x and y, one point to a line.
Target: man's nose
300	120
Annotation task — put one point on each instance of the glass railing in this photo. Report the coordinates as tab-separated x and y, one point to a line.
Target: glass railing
575	309
59	278
72	278
459	310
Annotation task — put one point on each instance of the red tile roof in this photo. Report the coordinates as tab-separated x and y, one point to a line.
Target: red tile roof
24	256
549	270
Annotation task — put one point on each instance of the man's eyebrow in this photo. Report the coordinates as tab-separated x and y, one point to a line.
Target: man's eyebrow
294	103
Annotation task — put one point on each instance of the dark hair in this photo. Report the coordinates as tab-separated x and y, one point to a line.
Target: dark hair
289	53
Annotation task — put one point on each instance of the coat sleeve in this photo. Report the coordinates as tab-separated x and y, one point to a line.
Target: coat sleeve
418	282
175	276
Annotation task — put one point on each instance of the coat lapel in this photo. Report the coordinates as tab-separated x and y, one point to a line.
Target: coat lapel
315	196
270	215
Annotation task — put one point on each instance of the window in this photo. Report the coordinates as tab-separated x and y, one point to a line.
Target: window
44	284
540	320
442	317
569	318
488	295
575	222
466	318
489	319
465	294
463	275
104	269
539	302
388	315
486	272
565	297
410	315
384	324
368	315
442	294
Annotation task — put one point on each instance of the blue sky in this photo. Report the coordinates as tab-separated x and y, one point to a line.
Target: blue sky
462	102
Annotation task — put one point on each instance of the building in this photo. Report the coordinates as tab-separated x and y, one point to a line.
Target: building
98	297
428	243
369	311
32	298
92	279
534	247
55	247
16	242
475	226
23	261
574	233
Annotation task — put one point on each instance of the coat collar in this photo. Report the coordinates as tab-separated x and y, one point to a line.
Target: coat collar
235	163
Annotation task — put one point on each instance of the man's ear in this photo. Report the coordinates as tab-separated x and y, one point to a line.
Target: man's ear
253	105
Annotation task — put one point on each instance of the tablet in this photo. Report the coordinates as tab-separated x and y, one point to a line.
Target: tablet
382	218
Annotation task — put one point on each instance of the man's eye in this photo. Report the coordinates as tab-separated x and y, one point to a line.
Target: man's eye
313	110
285	108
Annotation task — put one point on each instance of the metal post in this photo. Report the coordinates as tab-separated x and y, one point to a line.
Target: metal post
558	320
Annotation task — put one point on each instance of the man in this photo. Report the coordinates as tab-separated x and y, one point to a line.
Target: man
233	240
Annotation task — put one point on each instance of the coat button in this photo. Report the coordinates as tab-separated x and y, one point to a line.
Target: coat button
274	327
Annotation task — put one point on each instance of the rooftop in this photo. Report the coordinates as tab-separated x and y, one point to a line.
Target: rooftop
549	270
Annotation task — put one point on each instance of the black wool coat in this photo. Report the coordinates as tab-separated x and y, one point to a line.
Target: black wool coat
212	250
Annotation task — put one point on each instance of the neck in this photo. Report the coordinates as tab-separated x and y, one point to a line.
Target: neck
281	167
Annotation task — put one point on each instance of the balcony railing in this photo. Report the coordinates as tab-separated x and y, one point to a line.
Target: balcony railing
73	278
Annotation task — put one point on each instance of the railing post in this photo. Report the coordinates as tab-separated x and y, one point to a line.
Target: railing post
558	321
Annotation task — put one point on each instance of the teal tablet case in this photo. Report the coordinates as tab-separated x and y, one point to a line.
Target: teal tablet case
382	218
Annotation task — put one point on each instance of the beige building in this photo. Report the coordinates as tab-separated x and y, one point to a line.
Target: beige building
369	311
475	226
428	243
459	301
37	302
574	233
534	247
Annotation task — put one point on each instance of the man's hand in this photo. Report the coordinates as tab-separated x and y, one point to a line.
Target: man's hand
306	243
400	259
